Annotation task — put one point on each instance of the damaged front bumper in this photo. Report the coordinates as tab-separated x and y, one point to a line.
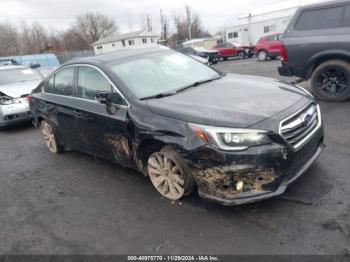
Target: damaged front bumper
234	178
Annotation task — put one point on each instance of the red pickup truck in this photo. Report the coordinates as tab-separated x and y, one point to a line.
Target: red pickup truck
268	47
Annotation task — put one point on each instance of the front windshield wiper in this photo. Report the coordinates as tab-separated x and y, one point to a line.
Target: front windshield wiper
197	83
174	92
160	95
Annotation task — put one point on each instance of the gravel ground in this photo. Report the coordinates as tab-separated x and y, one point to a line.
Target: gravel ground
75	204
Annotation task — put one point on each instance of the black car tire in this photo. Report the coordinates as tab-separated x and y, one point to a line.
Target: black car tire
241	55
49	137
329	78
262	55
183	172
213	60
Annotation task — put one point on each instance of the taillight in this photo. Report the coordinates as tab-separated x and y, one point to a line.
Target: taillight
283	54
30	99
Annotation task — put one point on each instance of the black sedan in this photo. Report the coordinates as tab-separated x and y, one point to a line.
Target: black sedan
238	138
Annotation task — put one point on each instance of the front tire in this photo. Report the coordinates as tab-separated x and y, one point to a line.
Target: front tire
50	138
169	174
262	55
241	55
331	81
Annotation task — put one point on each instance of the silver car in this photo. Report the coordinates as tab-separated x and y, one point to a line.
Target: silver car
16	83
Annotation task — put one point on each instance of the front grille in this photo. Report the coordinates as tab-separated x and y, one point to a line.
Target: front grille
297	128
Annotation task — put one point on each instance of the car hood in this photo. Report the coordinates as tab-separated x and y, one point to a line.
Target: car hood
19	89
232	101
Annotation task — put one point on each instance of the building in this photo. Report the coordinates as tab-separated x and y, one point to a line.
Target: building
142	38
273	18
207	43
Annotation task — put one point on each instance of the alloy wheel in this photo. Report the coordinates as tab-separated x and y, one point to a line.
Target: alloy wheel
333	81
166	175
49	137
240	55
262	55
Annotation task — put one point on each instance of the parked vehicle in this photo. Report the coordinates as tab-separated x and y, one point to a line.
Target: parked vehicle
268	47
227	50
16	83
238	138
200	59
211	55
316	46
7	61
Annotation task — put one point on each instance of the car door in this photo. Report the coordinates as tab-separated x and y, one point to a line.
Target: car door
103	130
231	49
221	49
57	106
274	45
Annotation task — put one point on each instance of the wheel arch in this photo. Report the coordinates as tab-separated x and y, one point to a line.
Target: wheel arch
144	150
325	56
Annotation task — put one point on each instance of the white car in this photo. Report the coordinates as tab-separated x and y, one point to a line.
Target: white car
16	83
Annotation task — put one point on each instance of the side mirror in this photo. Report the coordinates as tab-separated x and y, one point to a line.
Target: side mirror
104	98
34	66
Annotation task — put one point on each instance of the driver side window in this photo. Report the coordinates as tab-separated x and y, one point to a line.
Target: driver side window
91	81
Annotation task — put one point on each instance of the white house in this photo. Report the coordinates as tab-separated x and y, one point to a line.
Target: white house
142	38
273	18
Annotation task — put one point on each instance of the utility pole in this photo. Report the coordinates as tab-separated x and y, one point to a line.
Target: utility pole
149	23
189	21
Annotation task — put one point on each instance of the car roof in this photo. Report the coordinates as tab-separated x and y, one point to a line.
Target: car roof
321	4
117	55
9	67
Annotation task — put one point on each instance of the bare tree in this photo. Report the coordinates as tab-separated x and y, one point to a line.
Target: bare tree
149	23
33	38
188	26
93	27
9	40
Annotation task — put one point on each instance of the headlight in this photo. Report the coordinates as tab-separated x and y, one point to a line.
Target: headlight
231	138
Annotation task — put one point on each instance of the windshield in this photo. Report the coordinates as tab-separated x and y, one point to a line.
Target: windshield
152	74
17	75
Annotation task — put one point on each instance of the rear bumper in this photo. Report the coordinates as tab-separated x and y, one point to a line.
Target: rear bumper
15	121
14	117
285	70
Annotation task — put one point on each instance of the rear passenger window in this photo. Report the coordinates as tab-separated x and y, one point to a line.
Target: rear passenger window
91	81
319	19
61	83
346	18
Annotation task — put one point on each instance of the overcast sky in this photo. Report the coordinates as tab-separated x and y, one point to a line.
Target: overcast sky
128	14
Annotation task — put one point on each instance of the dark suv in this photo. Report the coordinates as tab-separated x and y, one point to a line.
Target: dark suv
316	46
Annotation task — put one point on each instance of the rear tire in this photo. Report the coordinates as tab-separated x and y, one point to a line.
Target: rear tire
331	81
262	55
50	138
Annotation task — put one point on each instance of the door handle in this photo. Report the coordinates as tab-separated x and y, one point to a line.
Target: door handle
77	114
